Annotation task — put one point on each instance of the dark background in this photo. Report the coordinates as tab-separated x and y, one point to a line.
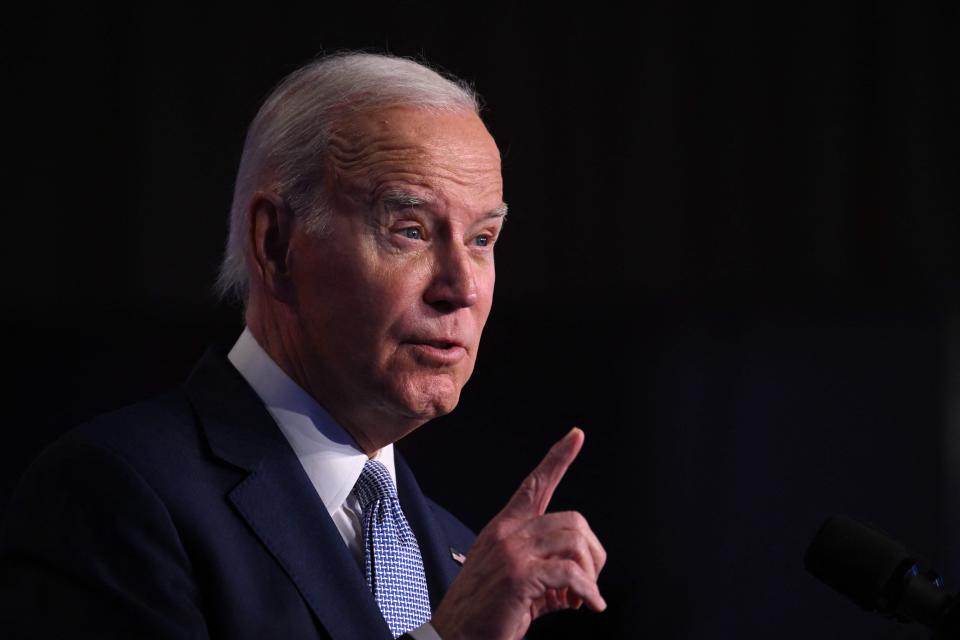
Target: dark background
730	259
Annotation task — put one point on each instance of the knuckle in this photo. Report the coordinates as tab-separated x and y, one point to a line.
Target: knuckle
512	551
572	520
499	530
582	547
583	556
574	543
493	532
578	520
569	569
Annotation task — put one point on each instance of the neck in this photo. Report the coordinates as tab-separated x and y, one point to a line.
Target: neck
356	421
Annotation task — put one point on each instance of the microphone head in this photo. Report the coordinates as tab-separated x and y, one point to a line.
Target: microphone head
860	562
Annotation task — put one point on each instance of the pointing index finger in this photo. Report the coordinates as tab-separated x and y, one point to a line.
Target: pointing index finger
534	494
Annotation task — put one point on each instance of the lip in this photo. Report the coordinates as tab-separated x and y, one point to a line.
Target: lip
427	352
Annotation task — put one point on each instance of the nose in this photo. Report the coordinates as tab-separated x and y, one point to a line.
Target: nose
453	284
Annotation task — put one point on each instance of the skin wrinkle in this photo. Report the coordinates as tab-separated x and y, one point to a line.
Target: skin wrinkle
360	154
356	316
379	174
364	294
395	201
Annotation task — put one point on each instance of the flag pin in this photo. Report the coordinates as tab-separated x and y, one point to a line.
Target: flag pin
458	557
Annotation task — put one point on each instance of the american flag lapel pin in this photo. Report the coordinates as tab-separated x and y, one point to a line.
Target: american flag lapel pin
458	557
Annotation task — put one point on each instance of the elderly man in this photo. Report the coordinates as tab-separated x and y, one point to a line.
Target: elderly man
264	499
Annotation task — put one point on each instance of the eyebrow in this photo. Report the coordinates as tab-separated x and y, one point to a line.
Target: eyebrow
499	212
398	199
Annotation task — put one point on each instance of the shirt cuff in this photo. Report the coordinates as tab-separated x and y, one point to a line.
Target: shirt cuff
424	632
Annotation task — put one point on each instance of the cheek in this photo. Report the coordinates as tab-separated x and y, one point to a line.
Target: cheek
388	308
485	297
345	318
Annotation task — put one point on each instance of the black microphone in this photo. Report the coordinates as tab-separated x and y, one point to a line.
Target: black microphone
880	575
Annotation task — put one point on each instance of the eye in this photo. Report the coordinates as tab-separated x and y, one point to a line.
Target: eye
483	240
413	233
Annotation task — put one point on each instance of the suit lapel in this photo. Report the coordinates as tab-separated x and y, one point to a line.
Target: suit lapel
434	547
280	505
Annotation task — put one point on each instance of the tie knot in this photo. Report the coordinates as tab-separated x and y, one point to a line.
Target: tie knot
374	483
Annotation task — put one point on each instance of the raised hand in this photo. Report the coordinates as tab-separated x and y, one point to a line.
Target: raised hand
525	562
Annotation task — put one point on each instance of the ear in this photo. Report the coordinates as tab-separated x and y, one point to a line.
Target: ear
271	228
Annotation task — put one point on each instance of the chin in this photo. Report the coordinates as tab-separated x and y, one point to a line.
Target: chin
431	399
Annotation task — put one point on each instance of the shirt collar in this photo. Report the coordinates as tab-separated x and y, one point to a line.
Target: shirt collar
329	455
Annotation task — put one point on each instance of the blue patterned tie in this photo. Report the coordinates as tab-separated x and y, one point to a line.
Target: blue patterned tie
394	566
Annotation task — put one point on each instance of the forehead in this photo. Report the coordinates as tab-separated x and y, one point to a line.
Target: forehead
449	154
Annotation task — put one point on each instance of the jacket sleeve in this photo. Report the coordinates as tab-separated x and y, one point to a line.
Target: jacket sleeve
88	549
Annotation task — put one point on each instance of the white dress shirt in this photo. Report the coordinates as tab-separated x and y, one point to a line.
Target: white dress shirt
329	455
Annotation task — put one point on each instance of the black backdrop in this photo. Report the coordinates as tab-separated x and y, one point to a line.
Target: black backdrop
730	259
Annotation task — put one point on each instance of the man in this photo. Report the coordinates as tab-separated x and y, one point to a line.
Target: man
264	499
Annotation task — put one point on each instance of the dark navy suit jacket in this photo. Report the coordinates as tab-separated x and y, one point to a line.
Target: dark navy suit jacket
188	517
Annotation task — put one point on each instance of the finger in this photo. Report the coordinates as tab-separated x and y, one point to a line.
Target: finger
570	545
557	599
572	601
534	494
547	526
560	574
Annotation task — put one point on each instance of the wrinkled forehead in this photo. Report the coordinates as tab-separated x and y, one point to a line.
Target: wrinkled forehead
443	151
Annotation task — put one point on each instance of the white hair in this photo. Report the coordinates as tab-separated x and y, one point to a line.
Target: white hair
286	143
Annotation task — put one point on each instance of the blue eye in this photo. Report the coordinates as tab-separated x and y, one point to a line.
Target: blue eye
482	241
412	233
